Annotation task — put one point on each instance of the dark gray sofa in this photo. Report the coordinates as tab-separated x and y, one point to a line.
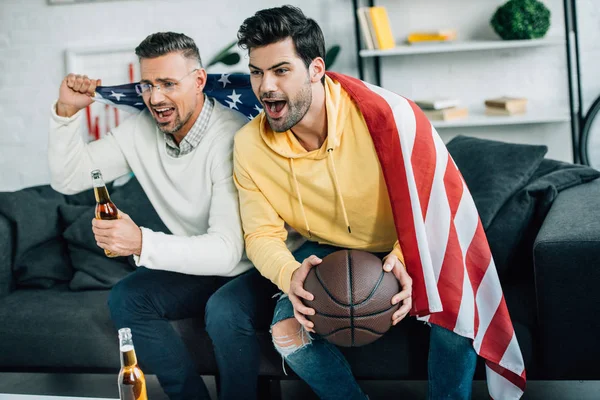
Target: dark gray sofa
549	270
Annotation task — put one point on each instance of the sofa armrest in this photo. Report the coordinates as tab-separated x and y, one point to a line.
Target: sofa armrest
6	254
567	277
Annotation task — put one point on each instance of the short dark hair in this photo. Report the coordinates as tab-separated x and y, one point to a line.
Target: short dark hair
161	43
273	25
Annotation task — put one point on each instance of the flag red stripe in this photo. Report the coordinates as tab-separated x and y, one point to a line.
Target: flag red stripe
453	185
478	254
450	283
421	159
498	334
382	126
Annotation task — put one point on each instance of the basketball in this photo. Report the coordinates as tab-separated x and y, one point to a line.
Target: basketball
353	298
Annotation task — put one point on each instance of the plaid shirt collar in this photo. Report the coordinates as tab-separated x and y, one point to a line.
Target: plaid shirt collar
194	136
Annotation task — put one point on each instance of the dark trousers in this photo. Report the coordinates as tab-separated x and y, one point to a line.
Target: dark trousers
146	301
233	315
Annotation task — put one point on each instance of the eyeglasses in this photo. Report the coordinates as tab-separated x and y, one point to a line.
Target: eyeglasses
145	89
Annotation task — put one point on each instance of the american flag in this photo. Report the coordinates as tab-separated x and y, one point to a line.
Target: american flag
231	90
455	282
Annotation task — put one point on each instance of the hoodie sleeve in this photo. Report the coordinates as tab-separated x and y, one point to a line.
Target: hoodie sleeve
264	230
397	251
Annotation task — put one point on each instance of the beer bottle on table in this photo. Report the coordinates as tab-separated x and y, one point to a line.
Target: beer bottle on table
105	208
132	383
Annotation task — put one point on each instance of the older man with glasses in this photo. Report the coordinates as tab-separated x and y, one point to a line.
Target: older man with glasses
180	150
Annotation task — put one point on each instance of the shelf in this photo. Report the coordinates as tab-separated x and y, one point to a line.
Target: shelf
471	45
478	118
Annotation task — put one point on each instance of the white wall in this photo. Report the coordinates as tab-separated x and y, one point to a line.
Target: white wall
34	36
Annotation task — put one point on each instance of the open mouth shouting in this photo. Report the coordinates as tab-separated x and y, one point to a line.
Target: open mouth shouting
163	115
274	108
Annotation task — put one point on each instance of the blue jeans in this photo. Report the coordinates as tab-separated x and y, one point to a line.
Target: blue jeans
146	301
322	366
233	315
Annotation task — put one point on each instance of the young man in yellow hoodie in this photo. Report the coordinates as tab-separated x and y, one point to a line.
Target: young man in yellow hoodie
309	161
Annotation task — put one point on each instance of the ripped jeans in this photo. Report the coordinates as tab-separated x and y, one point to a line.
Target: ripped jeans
324	368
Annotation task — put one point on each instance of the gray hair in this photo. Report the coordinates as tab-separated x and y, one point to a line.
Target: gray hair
161	43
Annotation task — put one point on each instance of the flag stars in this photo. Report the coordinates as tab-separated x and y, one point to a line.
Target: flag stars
116	95
235	99
224	79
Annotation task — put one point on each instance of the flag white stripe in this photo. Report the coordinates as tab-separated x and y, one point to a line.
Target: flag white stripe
465	322
406	125
127	108
501	388
437	220
466	221
488	298
513	359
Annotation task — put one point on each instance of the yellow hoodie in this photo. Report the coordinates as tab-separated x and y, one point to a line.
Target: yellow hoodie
334	195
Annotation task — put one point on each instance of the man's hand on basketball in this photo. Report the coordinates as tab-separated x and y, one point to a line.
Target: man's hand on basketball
297	291
391	263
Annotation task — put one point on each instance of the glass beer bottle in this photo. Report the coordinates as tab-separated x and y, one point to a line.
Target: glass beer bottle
105	208
132	382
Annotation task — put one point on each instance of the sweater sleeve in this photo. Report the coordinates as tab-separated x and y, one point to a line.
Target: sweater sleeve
264	230
220	249
71	160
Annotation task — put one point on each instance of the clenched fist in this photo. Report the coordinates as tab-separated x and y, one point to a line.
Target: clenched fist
76	92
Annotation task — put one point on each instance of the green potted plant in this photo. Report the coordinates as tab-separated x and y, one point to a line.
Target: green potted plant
521	19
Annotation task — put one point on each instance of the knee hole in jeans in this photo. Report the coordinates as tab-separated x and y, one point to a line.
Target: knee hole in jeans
289	336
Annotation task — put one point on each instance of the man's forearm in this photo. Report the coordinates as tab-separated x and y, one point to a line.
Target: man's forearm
273	259
209	254
66	111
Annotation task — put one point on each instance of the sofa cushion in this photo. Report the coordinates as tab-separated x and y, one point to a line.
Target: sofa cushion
513	187
40	256
57	328
93	270
494	170
6	249
513	230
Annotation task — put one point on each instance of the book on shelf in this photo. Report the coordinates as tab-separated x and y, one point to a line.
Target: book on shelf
375	27
497	111
383	30
512	105
437	103
366	27
440	36
447	114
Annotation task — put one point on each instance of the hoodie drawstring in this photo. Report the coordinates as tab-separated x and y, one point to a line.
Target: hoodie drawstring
337	189
299	197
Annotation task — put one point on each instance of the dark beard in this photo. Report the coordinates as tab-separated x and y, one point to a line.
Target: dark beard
297	110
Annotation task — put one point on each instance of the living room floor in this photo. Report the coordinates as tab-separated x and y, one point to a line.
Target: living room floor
103	385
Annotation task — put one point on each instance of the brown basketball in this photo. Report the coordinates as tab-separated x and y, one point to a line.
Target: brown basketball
352	298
